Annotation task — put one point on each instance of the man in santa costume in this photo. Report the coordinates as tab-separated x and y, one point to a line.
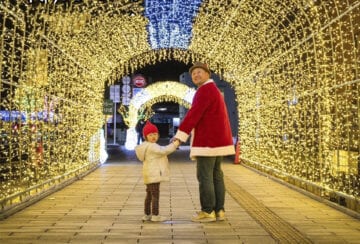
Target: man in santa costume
208	122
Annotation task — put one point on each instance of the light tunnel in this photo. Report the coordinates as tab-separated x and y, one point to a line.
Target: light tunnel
293	64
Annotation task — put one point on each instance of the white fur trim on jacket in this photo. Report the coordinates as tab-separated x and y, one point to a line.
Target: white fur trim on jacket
182	136
208	151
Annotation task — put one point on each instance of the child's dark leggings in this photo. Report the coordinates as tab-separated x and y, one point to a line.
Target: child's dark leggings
152	199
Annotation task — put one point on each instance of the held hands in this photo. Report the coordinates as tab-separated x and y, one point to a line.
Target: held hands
176	141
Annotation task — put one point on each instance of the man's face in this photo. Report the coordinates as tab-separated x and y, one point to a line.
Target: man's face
199	76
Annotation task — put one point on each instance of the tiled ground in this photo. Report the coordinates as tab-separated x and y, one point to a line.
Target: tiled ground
107	205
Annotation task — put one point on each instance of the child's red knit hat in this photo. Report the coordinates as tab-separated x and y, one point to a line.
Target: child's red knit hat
149	128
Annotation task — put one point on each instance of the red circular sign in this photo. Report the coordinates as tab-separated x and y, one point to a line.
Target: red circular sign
139	81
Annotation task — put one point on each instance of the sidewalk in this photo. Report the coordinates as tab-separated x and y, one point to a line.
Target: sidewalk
107	205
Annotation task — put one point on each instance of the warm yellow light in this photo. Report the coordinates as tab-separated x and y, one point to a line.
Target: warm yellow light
167	91
294	66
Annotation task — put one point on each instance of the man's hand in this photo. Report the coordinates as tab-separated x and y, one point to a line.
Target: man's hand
175	139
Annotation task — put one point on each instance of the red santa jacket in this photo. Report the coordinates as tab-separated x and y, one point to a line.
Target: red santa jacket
208	120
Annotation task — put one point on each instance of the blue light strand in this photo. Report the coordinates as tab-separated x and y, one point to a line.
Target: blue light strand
170	22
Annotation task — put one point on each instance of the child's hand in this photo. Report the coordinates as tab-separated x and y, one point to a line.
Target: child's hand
176	142
175	139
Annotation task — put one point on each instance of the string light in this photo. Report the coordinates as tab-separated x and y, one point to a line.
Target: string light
141	103
170	22
294	66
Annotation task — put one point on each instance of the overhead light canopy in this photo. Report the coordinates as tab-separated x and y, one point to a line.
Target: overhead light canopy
170	22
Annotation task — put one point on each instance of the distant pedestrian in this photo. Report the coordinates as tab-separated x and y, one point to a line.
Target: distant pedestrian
155	169
209	123
139	128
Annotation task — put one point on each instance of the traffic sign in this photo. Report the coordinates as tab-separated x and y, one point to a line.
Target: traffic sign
108	107
115	93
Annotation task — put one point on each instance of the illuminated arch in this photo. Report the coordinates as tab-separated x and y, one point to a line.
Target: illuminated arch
157	92
146	112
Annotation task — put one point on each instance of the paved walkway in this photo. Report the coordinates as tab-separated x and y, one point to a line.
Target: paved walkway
106	206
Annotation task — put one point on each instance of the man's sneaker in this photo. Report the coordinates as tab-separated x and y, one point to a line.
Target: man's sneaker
220	216
158	218
203	217
146	217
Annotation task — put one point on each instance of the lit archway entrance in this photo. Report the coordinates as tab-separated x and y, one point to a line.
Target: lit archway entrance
168	91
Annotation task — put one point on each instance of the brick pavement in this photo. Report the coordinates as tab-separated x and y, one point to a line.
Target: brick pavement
106	206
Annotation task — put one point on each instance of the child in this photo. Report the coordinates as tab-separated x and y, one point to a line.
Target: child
155	168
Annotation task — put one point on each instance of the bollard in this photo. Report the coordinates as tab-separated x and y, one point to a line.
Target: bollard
237	153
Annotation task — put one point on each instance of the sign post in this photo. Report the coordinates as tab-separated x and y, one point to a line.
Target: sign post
107	110
115	97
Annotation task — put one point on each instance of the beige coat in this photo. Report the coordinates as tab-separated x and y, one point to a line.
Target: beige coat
155	161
